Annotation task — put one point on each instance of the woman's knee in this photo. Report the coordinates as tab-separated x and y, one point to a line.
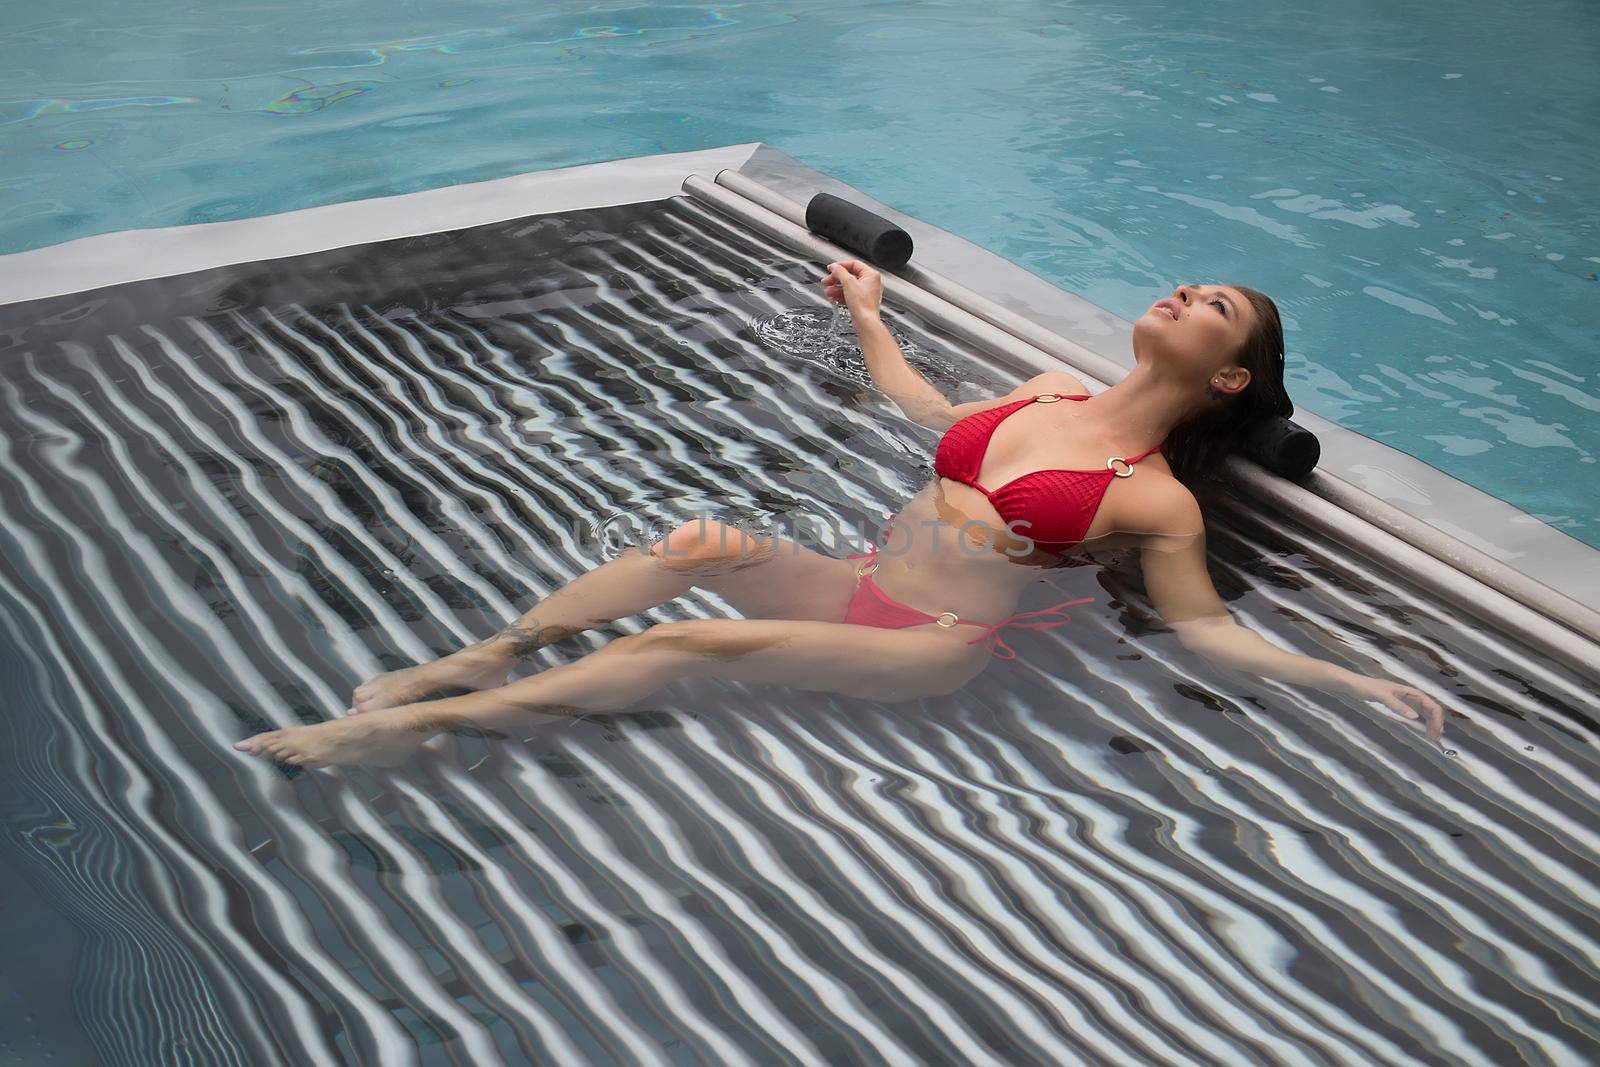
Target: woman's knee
707	547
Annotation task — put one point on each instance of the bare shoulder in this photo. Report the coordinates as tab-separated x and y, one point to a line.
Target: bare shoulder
1163	507
1053	381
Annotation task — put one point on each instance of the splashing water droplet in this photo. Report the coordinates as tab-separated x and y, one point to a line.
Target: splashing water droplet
841	325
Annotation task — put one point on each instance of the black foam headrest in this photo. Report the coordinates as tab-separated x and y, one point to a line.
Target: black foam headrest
1283	447
862	232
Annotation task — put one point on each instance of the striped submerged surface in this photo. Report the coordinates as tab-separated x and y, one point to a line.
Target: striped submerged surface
227	498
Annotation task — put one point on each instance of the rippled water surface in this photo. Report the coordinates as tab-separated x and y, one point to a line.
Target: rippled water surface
1412	182
227	498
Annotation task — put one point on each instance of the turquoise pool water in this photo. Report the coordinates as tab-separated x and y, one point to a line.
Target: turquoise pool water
1414	188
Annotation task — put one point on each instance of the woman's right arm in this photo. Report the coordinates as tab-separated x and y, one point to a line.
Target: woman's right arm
860	288
915	395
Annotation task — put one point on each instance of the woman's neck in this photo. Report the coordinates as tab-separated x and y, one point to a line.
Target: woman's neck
1144	406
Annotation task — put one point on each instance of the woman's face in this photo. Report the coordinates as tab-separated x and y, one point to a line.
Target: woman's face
1196	331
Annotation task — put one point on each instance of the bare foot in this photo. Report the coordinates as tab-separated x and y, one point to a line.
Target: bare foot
384	738
467	669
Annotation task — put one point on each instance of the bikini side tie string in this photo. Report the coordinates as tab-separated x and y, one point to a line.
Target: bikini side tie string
1042	619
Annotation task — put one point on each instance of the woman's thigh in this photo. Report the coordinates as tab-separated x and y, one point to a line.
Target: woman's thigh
761	576
864	661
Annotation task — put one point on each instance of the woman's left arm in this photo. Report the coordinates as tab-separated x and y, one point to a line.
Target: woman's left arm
1173	559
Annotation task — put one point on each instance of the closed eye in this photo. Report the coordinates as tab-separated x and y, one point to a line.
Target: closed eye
1221	307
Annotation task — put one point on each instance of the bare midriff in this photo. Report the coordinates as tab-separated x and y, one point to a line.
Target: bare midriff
949	550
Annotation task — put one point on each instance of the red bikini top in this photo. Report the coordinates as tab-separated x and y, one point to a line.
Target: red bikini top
1060	505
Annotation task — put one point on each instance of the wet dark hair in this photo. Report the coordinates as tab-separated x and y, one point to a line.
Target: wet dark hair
1194	449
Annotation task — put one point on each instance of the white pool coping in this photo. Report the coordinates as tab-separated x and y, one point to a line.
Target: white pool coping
1500	530
134	255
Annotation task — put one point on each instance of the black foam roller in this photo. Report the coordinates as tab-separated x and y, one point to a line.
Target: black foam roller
852	226
1283	447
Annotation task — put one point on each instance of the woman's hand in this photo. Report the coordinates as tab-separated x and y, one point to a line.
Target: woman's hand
857	286
1403	700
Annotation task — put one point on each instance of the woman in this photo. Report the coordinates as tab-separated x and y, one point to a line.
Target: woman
915	618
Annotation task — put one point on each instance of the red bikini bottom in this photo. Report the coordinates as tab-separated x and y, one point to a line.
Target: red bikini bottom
871	606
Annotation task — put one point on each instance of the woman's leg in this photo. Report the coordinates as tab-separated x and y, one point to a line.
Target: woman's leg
762	577
877	664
